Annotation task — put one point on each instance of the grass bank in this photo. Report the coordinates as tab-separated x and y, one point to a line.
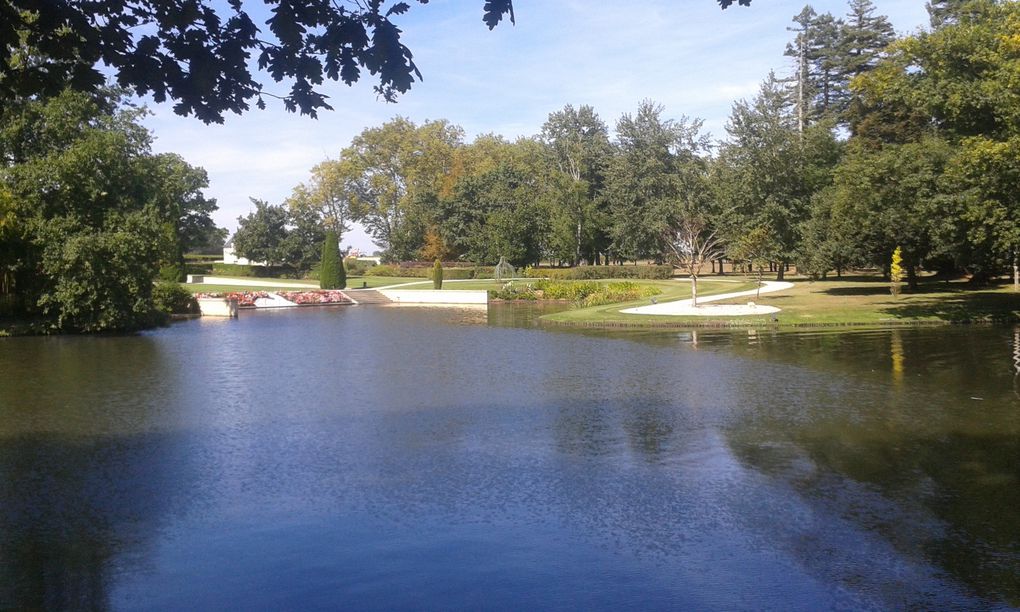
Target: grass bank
862	301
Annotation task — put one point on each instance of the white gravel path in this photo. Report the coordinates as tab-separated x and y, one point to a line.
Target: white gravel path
684	308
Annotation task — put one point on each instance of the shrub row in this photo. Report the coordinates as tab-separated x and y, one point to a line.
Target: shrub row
448	273
602	272
429	264
224	269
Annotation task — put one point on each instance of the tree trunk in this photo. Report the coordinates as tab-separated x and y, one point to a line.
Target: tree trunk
713	266
694	290
722	272
912	276
781	272
1016	272
577	244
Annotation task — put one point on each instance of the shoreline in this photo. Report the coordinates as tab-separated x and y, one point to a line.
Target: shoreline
696	324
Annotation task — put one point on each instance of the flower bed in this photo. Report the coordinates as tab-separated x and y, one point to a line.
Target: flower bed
246	299
315	297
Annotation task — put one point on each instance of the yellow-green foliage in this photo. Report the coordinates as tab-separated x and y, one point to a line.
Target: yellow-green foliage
588	293
437	275
896	271
612	293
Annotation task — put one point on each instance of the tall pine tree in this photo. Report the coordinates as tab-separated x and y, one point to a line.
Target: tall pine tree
865	36
816	53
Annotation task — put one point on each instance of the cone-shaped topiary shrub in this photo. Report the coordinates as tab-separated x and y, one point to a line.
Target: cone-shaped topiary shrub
331	275
437	275
341	274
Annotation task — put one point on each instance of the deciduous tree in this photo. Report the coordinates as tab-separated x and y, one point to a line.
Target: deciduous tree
658	161
203	54
578	142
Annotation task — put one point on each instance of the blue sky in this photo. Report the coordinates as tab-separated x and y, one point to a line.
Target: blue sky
687	55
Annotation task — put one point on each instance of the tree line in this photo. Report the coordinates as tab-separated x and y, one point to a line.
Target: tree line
870	143
89	215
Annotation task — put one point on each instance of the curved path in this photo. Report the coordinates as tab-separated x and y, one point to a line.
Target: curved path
684	307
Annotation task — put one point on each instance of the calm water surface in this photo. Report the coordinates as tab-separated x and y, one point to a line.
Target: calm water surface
393	458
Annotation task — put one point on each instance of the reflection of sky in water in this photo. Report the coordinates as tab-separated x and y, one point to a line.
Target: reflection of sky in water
399	457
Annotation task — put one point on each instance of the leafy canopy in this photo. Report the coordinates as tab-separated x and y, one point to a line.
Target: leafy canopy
200	53
206	55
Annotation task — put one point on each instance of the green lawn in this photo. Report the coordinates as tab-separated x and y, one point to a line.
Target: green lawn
869	302
861	301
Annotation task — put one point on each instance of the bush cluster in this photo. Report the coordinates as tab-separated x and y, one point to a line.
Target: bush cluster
559	290
515	292
204	268
172	298
358	267
612	293
602	272
582	294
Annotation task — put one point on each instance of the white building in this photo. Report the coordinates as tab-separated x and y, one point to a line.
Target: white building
229	257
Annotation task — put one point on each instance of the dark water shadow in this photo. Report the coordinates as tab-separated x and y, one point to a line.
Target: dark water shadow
71	510
935	499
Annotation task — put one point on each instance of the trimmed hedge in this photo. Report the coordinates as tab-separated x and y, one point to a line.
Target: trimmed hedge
205	269
602	272
223	269
448	273
429	264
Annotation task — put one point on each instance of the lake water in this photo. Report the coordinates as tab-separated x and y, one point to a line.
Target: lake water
396	458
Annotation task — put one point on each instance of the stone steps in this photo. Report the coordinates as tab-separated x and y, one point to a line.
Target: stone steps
367	297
